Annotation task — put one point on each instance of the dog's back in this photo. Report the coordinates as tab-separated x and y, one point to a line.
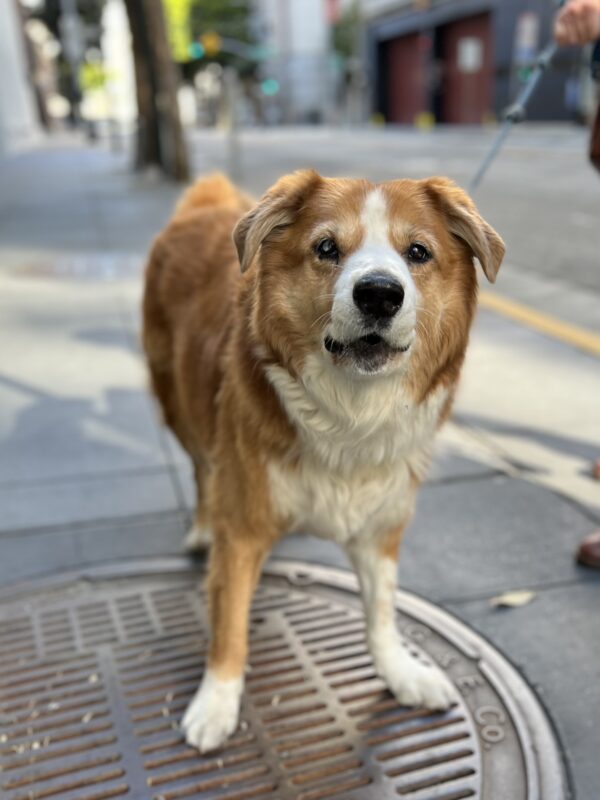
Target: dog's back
192	274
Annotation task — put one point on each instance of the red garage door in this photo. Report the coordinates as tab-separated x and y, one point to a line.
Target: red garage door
406	86
466	49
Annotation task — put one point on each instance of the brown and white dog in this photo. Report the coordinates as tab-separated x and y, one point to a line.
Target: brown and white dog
307	387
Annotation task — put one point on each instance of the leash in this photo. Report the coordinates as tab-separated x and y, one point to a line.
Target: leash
517	111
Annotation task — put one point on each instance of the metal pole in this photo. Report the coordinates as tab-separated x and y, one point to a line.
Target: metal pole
231	95
73	48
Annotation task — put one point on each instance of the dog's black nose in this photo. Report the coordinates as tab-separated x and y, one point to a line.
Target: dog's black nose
378	296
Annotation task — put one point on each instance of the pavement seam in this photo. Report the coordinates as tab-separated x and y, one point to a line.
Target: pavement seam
82	526
585	511
452	480
515	469
56	480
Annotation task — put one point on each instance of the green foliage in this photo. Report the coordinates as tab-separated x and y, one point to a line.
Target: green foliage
177	18
231	19
92	75
228	18
346	31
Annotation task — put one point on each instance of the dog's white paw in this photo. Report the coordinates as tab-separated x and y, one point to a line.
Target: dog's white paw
197	538
212	715
412	682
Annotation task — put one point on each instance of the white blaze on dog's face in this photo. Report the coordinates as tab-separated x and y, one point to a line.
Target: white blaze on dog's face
374	278
374	311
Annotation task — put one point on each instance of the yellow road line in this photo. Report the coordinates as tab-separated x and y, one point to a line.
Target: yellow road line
544	323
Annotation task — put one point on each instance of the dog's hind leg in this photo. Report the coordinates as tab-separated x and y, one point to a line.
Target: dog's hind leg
413	682
234	570
199	536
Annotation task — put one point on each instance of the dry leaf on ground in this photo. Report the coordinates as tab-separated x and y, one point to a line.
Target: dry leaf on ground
520	597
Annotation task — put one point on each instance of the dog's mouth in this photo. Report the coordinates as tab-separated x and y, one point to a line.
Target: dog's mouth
370	352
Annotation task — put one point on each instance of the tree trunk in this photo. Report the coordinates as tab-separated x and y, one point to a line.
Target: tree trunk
147	150
160	139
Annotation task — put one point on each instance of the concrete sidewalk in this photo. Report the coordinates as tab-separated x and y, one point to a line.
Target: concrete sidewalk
88	476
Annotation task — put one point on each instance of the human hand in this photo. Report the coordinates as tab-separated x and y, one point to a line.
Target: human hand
578	22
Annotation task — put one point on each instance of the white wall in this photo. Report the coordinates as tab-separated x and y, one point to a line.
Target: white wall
118	62
299	35
18	119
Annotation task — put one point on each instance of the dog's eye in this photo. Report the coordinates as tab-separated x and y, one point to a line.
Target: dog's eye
418	254
327	250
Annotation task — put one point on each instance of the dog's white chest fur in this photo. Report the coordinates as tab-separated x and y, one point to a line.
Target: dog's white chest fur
360	441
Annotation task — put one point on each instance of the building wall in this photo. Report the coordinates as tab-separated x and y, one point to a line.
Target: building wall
298	33
405	92
548	103
118	62
387	21
18	119
466	50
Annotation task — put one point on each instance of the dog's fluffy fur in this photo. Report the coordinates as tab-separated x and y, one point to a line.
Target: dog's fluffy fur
300	410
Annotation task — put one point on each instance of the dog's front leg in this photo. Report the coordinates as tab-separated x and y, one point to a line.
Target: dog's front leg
213	713
411	681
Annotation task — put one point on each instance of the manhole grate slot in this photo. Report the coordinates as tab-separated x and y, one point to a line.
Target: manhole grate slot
94	680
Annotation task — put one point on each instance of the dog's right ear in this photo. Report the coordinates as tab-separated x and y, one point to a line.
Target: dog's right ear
465	223
275	210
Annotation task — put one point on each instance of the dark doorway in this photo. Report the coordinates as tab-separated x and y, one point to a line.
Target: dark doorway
465	49
404	88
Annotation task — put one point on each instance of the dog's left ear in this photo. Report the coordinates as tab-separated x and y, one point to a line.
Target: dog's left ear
276	209
467	224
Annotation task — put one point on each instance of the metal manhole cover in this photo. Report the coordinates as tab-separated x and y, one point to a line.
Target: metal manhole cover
95	675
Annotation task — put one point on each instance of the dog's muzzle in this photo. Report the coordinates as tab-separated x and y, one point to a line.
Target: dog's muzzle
372	321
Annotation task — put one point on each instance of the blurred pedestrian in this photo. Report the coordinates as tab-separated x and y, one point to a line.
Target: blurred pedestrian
578	23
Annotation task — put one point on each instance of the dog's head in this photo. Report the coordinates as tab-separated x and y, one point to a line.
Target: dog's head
371	277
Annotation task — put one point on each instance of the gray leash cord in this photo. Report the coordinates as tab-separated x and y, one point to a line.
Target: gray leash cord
516	112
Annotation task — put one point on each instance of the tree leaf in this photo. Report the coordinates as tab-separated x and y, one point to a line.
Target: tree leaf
514	599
